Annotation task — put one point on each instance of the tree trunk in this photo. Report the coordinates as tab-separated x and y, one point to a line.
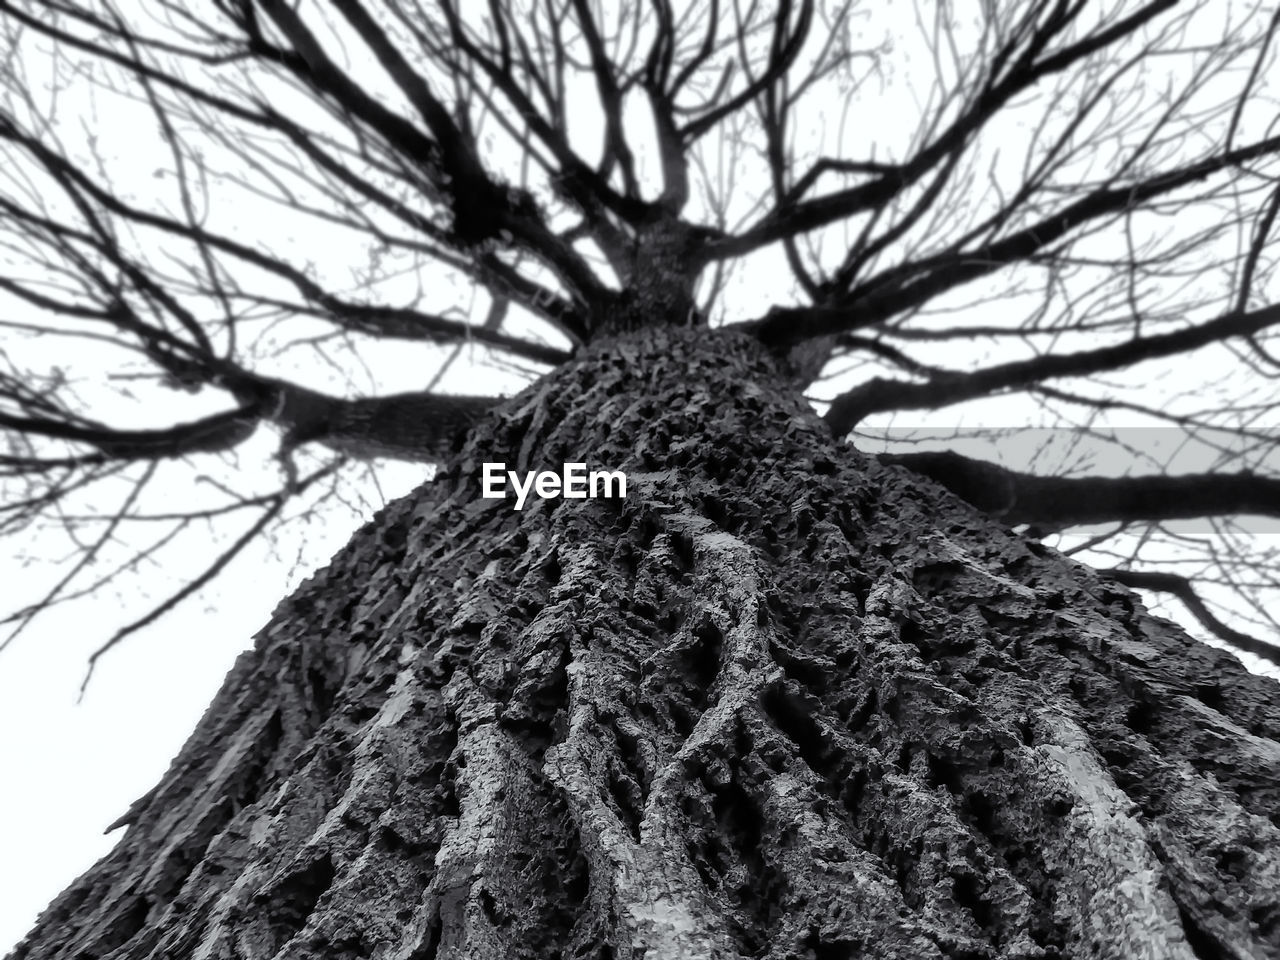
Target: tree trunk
781	701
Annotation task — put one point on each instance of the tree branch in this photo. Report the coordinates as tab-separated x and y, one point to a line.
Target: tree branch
1024	73
916	282
1055	503
212	434
879	395
1182	588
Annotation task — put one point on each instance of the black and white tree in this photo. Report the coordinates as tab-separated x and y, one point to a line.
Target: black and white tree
790	697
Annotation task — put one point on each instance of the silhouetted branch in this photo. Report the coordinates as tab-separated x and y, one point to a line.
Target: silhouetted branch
1182	588
945	388
1025	68
919	281
211	434
1054	503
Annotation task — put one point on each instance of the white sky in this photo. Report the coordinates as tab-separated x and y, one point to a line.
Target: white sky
69	769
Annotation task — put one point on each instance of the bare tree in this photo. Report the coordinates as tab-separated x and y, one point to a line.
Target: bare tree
786	700
567	234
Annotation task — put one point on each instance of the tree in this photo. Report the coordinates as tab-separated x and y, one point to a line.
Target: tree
783	699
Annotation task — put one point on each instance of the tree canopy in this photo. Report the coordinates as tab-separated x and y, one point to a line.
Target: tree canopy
236	213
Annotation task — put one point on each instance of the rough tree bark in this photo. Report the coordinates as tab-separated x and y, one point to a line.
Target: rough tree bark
781	701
